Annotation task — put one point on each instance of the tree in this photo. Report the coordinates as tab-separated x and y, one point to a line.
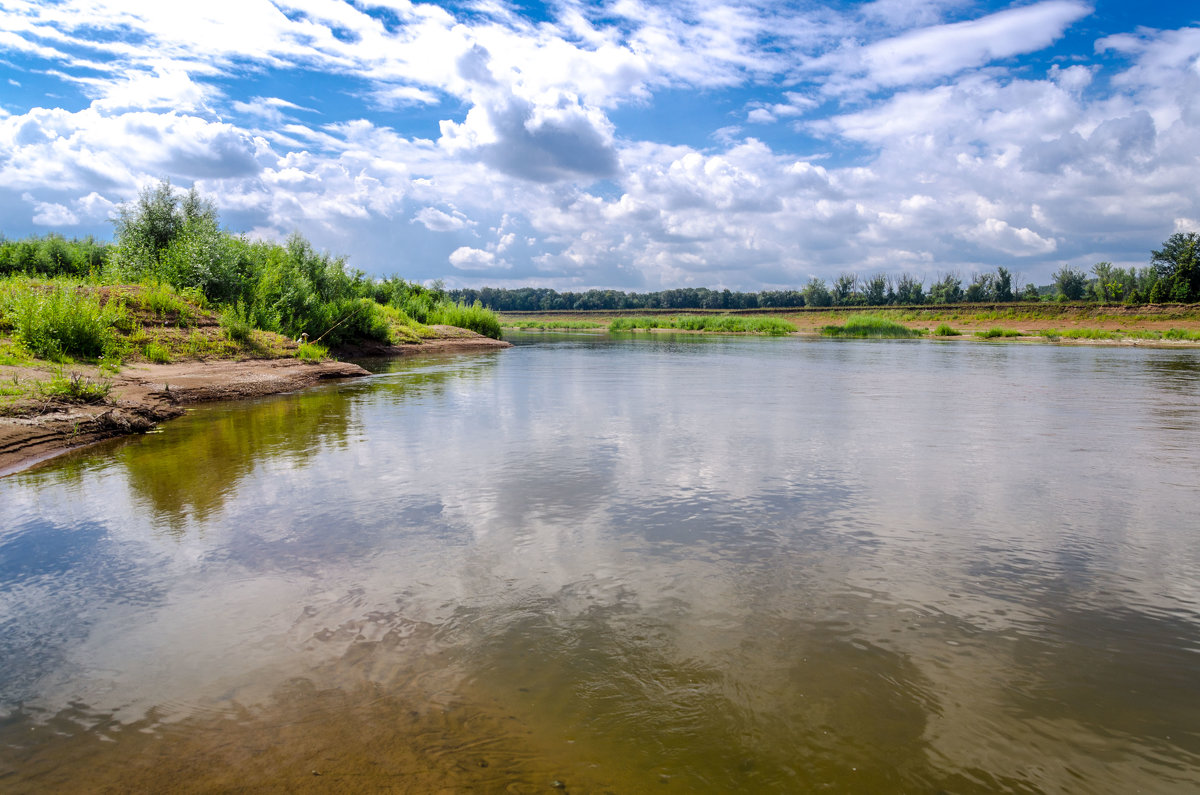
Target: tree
947	290
875	291
1002	285
980	289
910	290
1106	287
1178	263
816	294
1070	283
843	289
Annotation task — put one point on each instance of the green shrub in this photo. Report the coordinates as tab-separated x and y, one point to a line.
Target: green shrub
59	320
993	333
870	326
946	330
75	388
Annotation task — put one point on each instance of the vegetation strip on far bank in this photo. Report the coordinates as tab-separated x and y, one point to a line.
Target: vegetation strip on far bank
724	324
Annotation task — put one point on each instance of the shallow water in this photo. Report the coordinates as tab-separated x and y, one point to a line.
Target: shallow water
655	564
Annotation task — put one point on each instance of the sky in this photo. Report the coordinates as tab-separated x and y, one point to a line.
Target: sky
623	144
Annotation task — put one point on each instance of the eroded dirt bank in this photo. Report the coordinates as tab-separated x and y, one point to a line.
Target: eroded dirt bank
144	395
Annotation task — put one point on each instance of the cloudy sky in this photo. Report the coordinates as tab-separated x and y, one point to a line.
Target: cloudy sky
627	144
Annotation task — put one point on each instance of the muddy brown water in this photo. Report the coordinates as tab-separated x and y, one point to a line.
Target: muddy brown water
641	564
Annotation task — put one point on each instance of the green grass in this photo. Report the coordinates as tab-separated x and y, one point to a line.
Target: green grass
157	353
1183	335
549	325
946	330
870	326
1081	334
75	388
993	333
165	303
475	317
312	352
722	324
58	320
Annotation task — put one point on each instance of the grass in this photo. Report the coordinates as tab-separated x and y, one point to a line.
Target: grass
872	327
156	352
475	318
74	388
1081	334
58	320
549	325
312	352
946	330
723	324
994	333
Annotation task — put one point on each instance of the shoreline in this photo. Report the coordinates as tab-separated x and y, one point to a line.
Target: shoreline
144	395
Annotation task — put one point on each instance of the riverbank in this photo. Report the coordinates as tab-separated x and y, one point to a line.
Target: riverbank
1093	324
142	395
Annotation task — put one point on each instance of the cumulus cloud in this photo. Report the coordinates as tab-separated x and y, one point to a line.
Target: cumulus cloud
486	147
465	258
436	220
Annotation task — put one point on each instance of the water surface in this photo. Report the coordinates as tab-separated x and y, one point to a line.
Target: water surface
656	564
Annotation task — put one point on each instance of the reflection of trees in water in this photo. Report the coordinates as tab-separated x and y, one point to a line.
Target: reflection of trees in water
188	472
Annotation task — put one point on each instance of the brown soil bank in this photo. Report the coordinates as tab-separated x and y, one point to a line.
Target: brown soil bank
142	395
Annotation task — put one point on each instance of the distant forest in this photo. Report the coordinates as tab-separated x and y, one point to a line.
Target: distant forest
1173	276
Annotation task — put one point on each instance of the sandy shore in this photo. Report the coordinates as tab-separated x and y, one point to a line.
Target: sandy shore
144	395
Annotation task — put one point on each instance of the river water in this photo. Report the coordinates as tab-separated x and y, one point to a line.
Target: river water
652	564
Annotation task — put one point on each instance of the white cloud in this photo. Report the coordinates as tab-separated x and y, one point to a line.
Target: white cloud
926	54
436	220
465	258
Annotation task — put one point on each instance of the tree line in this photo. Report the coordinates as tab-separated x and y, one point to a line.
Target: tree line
1173	276
176	238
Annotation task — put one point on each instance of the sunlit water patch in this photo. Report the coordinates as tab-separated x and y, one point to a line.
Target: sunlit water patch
623	565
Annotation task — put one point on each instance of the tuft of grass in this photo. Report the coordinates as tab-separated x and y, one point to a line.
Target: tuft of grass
312	352
720	324
870	326
75	388
993	333
154	352
474	317
1082	334
165	303
946	330
235	325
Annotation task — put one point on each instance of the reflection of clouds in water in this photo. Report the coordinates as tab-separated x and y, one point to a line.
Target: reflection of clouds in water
912	520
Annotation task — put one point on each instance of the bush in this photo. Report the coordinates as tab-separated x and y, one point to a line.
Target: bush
60	320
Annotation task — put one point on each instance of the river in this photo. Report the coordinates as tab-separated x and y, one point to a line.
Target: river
642	564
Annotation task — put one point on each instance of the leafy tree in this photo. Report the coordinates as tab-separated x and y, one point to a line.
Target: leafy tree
947	290
1002	285
843	289
1070	283
1178	263
816	294
875	291
980	289
910	290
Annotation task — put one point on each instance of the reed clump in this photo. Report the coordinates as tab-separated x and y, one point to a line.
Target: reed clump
870	327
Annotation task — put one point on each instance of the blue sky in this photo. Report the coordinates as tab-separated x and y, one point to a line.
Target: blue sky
623	144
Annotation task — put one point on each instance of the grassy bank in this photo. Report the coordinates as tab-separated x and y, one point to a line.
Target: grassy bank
721	324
